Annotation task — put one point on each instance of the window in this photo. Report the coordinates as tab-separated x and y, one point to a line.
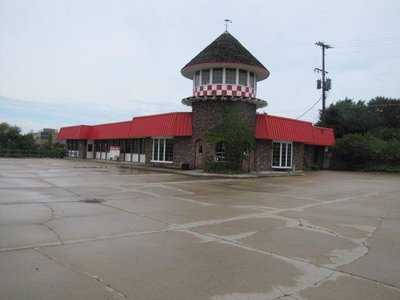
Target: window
197	79
220	152
230	76
90	148
252	83
217	76
137	146
163	150
242	77
205	76
282	155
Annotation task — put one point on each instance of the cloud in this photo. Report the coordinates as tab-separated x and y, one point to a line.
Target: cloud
35	115
97	60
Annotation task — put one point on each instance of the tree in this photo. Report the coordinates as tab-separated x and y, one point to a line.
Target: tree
347	116
386	111
9	136
234	133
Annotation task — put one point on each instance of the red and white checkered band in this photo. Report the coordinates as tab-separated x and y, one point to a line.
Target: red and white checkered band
234	90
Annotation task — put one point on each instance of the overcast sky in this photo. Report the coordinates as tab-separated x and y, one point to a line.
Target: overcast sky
90	61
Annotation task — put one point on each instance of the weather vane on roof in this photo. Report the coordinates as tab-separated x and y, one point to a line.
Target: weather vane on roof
227	21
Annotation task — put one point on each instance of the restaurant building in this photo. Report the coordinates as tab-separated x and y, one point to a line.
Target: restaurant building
225	75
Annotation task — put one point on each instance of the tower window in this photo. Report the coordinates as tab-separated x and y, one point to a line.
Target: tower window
242	77
252	83
230	76
197	79
205	76
217	75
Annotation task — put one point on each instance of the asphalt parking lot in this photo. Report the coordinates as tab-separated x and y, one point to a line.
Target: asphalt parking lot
84	230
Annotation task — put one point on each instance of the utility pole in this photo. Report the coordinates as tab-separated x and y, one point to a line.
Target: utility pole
324	84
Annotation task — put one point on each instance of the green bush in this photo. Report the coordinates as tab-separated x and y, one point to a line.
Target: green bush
358	148
391	151
367	152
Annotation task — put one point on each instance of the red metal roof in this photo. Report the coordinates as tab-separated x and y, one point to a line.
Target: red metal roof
171	124
118	130
180	124
285	129
80	132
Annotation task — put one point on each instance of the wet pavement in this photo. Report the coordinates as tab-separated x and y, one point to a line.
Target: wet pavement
86	230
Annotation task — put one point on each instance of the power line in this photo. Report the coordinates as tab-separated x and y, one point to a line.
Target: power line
310	108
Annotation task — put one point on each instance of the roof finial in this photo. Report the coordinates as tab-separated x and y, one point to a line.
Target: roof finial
227	21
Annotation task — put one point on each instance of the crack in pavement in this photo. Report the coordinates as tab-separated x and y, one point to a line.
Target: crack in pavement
107	286
291	260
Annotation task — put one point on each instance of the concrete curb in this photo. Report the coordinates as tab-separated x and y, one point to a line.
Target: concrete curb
193	173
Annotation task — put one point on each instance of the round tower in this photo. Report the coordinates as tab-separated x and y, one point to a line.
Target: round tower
224	74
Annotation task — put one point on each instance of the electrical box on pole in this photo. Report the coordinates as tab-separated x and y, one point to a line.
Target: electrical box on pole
328	84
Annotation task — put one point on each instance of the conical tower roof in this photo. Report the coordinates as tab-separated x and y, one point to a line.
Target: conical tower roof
225	49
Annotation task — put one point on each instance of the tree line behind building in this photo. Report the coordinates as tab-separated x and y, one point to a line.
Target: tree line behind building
367	134
13	143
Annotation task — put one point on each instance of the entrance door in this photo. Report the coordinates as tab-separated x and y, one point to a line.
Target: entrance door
198	164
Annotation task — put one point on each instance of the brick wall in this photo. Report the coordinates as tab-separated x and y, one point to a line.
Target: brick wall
82	149
183	151
207	114
263	155
298	156
148	148
308	156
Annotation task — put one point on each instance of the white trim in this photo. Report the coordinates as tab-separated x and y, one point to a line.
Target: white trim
158	148
164	141
280	166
